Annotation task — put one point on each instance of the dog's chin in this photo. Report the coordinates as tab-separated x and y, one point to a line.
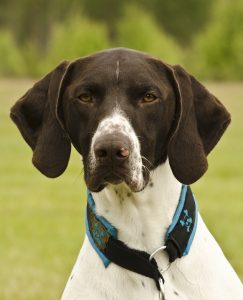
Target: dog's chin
96	184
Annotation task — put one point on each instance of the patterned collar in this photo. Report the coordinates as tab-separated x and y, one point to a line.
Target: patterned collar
178	238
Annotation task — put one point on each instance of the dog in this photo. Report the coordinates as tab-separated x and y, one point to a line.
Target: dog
144	129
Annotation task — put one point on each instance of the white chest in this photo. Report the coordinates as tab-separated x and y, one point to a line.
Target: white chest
142	220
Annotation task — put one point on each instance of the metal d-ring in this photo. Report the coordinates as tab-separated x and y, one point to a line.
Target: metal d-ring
153	254
161	284
155	251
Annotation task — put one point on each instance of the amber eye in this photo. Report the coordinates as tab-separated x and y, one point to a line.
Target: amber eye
149	97
86	98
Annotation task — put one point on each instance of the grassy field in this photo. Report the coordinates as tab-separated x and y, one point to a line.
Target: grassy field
41	220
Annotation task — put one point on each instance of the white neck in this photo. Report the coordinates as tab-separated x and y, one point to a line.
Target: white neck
142	218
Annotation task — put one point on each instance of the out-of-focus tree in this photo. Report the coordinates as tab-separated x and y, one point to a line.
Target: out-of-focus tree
138	29
203	35
11	58
32	21
108	11
217	51
182	19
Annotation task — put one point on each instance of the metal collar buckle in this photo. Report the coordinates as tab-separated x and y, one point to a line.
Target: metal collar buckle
161	284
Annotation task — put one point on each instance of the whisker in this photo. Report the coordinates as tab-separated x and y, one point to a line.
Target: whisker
143	157
146	169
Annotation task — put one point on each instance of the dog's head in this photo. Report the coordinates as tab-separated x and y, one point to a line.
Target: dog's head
125	113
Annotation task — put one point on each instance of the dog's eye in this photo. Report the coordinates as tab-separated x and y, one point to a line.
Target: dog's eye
149	98
86	97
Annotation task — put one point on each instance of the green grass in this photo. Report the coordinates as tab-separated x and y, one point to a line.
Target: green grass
41	220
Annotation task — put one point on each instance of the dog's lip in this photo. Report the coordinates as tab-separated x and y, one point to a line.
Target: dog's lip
98	183
104	176
113	179
101	178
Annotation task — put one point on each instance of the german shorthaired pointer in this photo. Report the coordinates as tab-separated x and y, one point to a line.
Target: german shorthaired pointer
144	129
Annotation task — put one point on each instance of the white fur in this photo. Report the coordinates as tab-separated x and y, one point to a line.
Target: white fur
117	70
118	123
142	220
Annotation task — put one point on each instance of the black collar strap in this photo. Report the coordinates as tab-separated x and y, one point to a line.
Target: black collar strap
103	237
181	231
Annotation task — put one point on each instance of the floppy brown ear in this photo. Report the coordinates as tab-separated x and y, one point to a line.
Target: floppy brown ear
200	122
35	116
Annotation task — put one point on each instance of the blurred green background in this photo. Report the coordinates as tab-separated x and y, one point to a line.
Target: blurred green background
41	220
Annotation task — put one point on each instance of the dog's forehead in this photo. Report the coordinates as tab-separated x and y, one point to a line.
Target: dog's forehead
114	64
126	56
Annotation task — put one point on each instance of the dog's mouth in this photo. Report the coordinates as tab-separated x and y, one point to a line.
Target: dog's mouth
113	178
103	177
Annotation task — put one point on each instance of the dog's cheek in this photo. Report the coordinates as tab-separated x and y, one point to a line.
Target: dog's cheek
78	126
162	132
147	145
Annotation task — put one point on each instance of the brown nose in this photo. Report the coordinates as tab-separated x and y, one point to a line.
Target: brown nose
112	149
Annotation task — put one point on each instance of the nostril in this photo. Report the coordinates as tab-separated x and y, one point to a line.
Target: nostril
101	153
123	152
111	150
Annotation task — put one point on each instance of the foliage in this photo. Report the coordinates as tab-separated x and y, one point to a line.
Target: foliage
71	39
217	51
11	59
31	21
138	30
77	37
204	36
180	19
41	14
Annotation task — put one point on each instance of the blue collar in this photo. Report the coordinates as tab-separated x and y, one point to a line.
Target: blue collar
178	238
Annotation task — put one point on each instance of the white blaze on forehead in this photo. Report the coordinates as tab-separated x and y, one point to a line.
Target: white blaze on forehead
117	70
117	123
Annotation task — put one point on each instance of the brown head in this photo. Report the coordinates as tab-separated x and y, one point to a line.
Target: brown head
125	113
